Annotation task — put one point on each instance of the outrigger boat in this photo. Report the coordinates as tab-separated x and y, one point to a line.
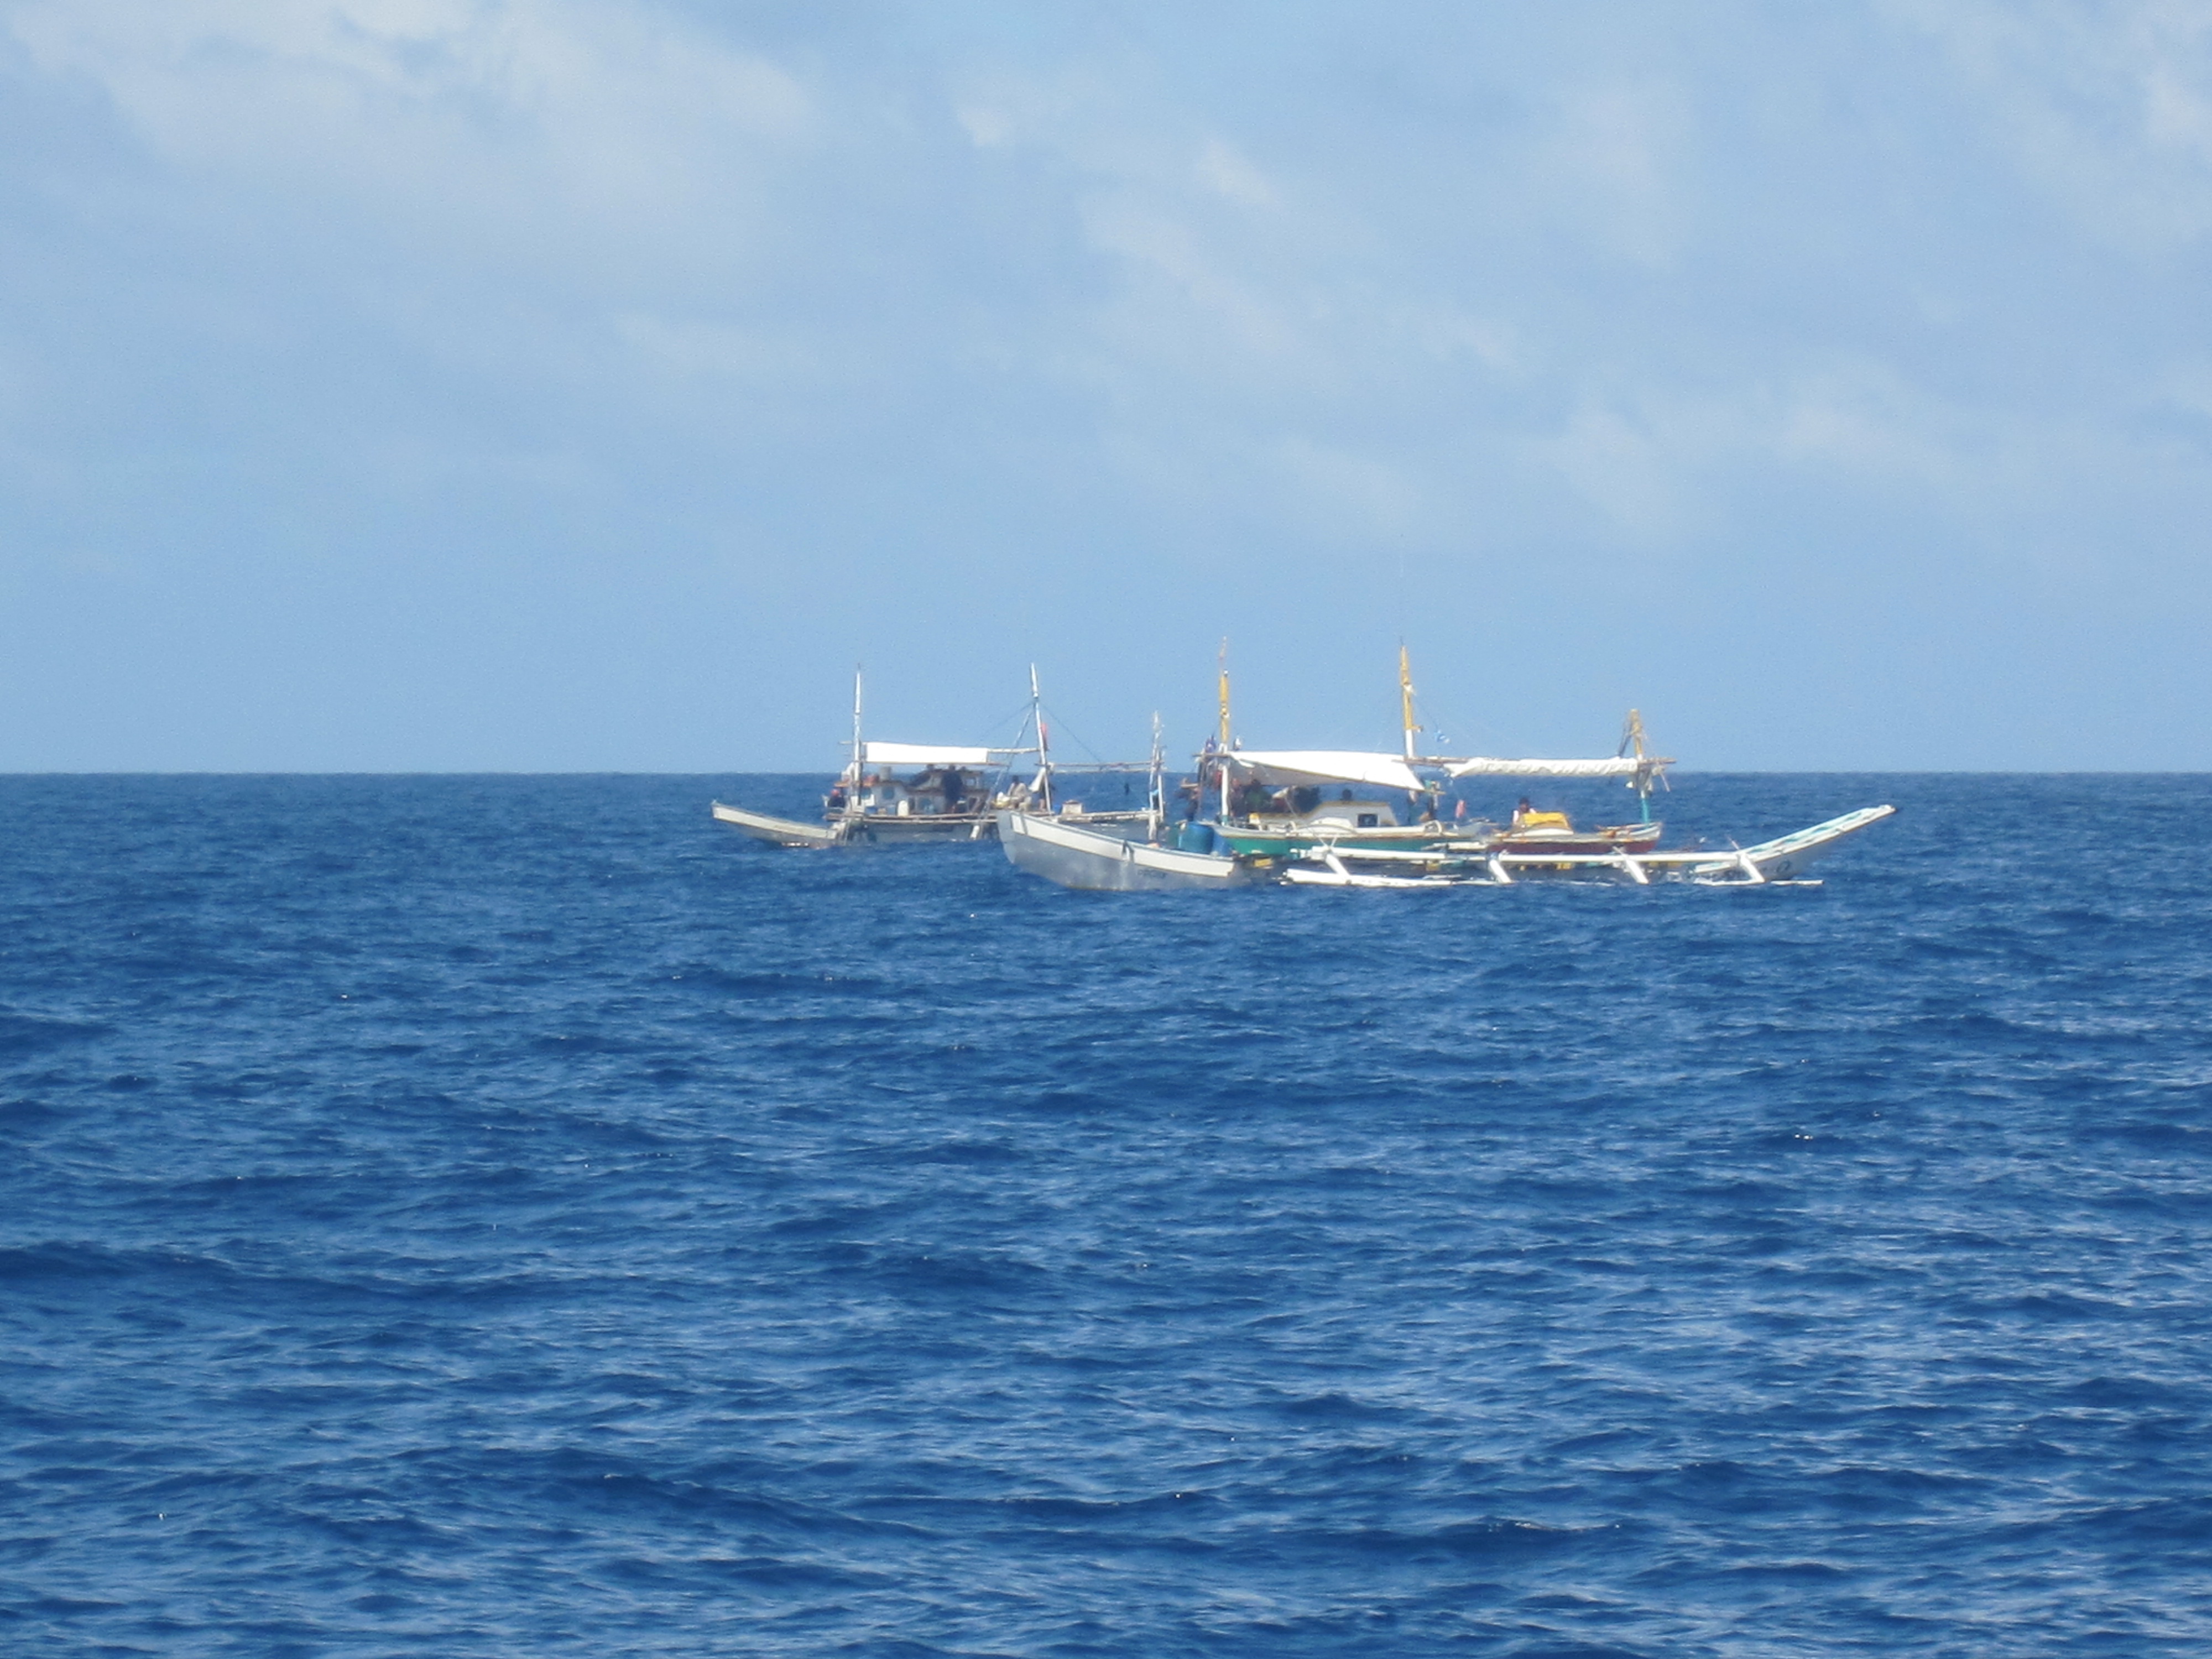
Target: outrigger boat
1126	858
1088	859
1783	859
900	793
1279	803
1275	823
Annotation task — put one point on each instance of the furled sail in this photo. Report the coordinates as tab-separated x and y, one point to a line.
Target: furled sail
1281	767
1484	766
930	754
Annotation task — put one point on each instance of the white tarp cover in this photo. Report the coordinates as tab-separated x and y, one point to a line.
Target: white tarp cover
1296	766
1487	767
927	753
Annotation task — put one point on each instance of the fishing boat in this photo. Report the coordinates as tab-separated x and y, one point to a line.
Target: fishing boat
1783	860
1279	803
1136	855
1097	860
903	794
892	793
1332	818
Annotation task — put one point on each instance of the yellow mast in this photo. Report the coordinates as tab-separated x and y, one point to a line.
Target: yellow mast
1223	762
1406	696
1224	697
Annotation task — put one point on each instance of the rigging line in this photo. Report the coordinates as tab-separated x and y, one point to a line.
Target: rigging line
1017	717
1069	735
1447	722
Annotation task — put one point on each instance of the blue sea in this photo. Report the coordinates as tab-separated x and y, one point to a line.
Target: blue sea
462	1215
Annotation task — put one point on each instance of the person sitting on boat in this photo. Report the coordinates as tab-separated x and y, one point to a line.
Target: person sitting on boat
1525	817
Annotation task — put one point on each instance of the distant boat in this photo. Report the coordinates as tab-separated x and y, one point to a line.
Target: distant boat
1783	860
902	793
1095	860
1279	803
1329	819
1133	855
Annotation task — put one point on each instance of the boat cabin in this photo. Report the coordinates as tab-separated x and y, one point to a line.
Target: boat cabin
1312	808
930	792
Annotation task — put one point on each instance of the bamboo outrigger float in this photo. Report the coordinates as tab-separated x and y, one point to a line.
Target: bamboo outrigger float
1088	859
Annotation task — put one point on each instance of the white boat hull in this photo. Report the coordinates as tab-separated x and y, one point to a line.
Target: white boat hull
784	832
890	830
864	829
1785	858
1095	862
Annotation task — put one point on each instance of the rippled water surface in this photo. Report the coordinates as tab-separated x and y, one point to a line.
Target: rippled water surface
513	1216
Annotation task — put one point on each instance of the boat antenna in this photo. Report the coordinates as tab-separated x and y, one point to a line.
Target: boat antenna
1044	742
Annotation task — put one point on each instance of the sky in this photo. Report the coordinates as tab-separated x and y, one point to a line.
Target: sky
571	385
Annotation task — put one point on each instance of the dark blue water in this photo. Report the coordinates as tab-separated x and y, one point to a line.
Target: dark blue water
515	1217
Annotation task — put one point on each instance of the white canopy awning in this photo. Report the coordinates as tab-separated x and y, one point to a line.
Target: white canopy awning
1281	767
1486	766
930	754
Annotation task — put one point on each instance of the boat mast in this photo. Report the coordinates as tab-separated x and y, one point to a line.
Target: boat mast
1412	725
1225	730
1406	696
1156	800
1632	738
1044	742
852	785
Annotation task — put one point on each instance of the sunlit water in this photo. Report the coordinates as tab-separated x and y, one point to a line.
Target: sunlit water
514	1216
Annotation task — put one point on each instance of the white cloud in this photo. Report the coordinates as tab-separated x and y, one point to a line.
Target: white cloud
1626	467
987	127
1609	157
1229	175
556	122
2108	108
891	291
